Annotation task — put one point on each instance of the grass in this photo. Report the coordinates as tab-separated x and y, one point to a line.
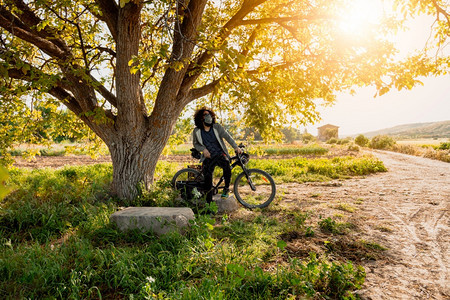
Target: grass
59	149
264	150
345	207
321	169
56	241
309	150
438	152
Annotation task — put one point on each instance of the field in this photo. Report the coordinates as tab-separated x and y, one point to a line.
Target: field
422	142
56	239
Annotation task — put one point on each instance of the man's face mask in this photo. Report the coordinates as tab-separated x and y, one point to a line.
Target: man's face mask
208	120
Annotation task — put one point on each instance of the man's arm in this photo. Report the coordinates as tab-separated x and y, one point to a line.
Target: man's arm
196	143
223	133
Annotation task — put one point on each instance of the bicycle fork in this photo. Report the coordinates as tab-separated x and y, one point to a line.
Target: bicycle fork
250	182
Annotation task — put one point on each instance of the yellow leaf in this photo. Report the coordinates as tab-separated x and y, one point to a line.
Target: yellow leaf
123	2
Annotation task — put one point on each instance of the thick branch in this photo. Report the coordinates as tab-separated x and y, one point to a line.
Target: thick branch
110	14
235	21
67	99
202	91
183	47
265	69
110	97
281	19
58	92
16	27
195	67
28	17
440	10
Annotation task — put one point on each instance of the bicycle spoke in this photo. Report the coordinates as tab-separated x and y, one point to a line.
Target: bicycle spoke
258	190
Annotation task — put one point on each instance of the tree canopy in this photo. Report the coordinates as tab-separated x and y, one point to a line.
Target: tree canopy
128	68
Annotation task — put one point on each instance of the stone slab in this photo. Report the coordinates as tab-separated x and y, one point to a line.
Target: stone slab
160	220
226	205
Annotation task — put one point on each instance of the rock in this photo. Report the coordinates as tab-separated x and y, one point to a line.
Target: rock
160	220
225	205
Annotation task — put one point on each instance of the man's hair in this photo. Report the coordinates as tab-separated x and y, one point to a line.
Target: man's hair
198	116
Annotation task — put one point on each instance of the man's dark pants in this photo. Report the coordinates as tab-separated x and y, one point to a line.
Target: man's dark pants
209	165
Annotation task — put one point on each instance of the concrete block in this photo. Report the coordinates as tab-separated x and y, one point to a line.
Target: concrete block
160	220
225	205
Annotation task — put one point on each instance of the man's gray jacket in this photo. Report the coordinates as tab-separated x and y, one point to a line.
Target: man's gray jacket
220	134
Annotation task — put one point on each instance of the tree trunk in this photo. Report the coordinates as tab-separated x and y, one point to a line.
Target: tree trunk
130	166
133	167
134	157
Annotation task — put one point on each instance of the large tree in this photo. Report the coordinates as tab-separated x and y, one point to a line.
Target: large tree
128	68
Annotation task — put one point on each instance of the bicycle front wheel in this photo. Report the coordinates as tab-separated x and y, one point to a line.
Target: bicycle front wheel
255	191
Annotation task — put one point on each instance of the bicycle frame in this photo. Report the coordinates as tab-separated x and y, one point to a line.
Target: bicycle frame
237	162
247	187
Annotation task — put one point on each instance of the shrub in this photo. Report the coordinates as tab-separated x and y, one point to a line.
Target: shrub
308	137
332	141
343	141
361	140
381	142
444	146
353	147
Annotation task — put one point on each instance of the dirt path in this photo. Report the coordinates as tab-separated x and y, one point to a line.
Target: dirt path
406	210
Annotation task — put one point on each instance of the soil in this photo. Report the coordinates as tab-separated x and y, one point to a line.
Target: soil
398	223
405	210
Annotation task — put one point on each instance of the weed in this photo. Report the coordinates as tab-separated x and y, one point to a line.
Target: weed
355	250
309	232
345	207
372	245
384	228
328	225
444	146
359	201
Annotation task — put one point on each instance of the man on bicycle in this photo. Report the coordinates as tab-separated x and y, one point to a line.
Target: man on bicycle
208	138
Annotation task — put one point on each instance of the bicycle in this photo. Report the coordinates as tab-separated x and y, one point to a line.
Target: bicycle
253	188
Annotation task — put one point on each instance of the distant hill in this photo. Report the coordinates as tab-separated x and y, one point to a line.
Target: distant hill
416	130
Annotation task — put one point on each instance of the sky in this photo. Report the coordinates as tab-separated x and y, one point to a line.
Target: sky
363	113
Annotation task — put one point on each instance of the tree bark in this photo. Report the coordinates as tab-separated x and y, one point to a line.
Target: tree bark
134	158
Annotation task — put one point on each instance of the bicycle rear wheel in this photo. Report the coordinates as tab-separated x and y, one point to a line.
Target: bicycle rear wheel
186	180
260	195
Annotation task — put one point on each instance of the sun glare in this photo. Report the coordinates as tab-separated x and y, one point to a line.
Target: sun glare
360	15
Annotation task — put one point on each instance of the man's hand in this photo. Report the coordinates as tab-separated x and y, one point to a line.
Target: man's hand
206	153
238	150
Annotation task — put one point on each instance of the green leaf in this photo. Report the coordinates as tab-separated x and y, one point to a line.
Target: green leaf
281	245
4	190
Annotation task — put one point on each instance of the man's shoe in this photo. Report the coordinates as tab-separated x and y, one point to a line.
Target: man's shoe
225	193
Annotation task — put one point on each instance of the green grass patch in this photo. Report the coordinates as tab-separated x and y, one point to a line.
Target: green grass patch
345	207
321	169
329	225
56	241
288	150
260	150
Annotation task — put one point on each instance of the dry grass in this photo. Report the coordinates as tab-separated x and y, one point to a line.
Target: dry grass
422	151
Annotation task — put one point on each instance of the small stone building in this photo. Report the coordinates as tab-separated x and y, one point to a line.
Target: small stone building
327	132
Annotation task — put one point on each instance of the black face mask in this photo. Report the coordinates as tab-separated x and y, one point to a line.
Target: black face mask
208	120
